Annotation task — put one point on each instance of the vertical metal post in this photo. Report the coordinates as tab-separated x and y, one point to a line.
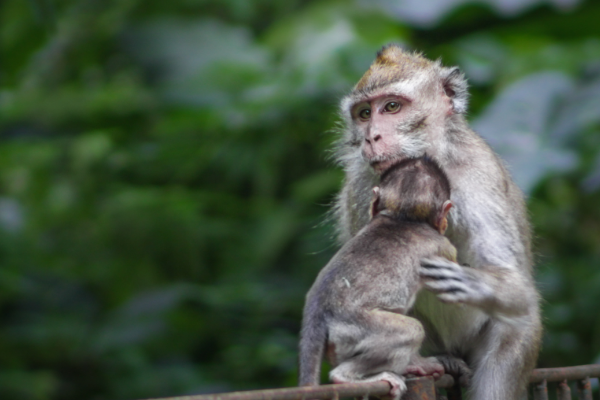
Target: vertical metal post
420	389
454	392
584	389
563	391
540	391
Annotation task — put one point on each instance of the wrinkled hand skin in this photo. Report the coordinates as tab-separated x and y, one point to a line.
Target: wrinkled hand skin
457	368
453	283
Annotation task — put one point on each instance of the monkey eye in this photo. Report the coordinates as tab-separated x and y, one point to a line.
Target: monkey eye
392	106
364	114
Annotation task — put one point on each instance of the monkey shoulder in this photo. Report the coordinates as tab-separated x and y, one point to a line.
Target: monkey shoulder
487	204
388	235
430	242
405	233
480	168
367	269
386	242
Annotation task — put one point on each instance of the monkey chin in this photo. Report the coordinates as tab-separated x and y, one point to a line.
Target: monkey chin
381	166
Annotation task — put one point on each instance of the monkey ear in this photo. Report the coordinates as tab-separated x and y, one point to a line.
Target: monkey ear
374	202
442	221
456	87
446	208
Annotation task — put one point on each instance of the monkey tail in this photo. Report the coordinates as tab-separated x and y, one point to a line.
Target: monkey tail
312	346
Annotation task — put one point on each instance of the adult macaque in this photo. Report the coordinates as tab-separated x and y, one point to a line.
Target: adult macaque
355	313
488	314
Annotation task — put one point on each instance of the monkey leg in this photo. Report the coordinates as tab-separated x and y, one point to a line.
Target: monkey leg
504	352
502	364
382	353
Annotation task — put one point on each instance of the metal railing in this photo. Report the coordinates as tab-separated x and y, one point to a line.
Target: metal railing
581	374
419	388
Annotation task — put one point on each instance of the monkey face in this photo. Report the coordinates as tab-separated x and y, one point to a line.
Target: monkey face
388	130
394	125
399	108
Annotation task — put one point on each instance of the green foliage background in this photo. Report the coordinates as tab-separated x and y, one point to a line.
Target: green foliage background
165	176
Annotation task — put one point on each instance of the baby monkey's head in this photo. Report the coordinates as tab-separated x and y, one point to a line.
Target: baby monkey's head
415	189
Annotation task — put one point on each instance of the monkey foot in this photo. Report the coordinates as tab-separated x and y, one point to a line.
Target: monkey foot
425	367
398	387
396	382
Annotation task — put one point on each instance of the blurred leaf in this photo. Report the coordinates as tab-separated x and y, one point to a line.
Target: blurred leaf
164	176
313	188
28	385
517	123
428	13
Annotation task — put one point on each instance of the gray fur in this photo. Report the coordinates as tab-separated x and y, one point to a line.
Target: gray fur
487	314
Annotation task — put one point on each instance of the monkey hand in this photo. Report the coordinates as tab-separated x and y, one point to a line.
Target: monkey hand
453	283
457	368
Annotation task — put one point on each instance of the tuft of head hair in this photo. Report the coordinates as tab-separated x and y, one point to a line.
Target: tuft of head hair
394	64
414	189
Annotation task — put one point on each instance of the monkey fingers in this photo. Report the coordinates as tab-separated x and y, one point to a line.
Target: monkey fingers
398	387
396	382
453	283
429	366
456	367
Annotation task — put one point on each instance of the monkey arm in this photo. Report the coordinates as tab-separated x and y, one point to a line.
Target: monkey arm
500	292
490	233
380	348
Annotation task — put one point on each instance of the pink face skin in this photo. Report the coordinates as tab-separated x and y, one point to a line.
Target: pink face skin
401	122
377	119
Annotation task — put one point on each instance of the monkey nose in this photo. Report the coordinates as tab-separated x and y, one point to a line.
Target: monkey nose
375	138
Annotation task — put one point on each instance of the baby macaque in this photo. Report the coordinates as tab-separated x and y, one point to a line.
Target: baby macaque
356	311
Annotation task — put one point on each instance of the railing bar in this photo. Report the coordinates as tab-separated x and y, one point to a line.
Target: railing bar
454	391
446	381
580	373
570	373
584	389
313	392
563	391
540	391
420	389
595	383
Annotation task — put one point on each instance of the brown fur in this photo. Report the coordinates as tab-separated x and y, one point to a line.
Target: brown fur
391	65
356	311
